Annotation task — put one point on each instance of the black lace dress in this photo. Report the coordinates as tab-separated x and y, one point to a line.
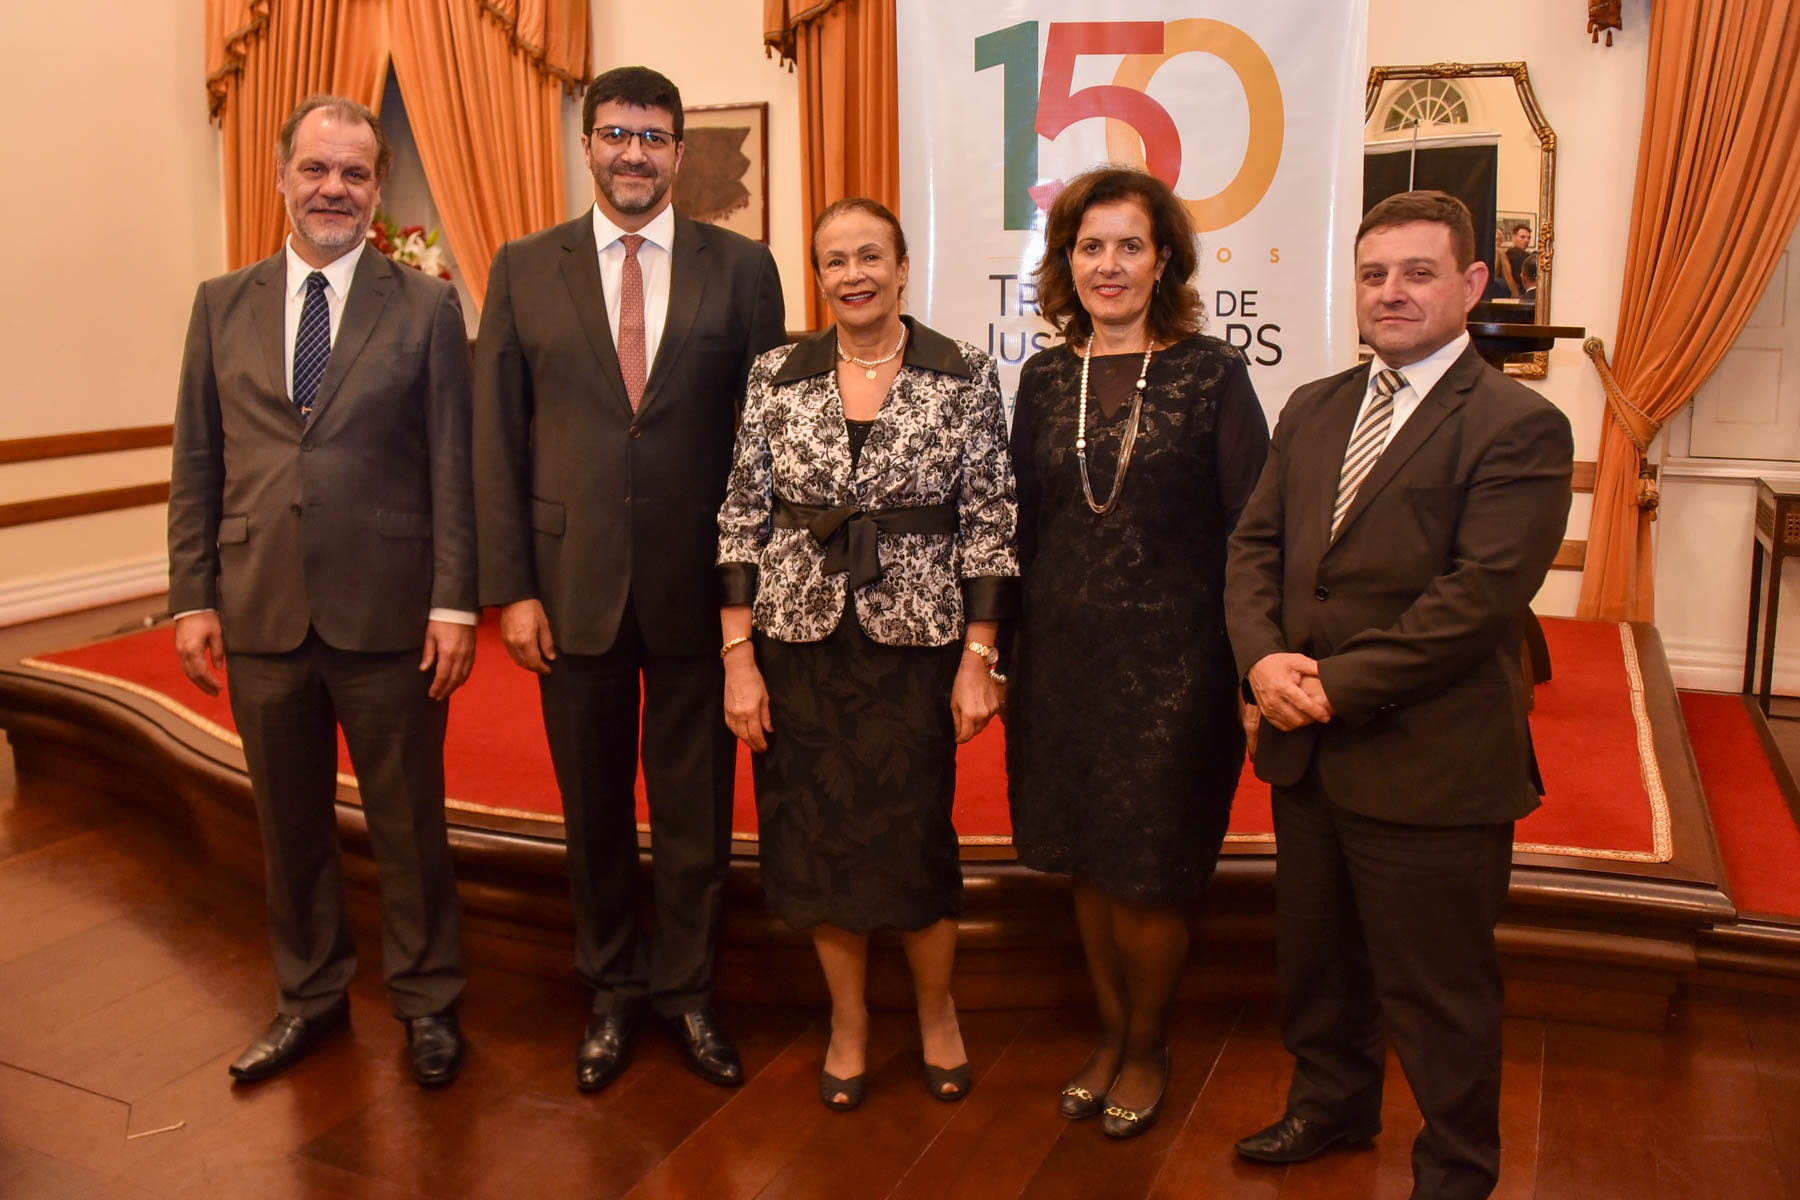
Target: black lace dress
1122	740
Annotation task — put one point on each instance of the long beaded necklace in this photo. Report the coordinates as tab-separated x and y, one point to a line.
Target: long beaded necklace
1131	429
869	364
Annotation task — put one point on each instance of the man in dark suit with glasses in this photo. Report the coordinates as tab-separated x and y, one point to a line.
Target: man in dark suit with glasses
610	368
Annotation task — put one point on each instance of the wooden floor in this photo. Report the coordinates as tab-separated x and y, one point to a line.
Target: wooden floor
129	979
130	976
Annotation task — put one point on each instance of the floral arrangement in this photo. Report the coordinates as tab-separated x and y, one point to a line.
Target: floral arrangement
410	245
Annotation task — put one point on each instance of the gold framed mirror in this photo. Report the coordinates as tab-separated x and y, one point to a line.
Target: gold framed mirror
1478	124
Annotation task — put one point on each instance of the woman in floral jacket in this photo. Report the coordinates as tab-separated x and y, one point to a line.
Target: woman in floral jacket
867	551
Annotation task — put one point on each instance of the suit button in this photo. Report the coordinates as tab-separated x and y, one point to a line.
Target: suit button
637	431
294	508
306	447
1321	592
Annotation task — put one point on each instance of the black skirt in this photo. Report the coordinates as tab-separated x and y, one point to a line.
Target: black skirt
853	797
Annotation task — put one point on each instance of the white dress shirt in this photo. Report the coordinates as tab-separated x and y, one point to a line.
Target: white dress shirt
1420	377
654	259
338	273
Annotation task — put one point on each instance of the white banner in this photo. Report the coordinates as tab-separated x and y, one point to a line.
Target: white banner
1252	111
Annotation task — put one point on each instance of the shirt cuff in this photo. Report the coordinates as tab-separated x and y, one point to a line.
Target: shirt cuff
737	584
454	616
192	612
990	597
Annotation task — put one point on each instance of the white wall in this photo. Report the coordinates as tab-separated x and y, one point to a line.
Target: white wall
115	210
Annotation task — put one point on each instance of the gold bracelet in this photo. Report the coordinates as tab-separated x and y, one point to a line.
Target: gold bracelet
728	647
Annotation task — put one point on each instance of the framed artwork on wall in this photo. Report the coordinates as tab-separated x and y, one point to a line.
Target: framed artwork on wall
724	175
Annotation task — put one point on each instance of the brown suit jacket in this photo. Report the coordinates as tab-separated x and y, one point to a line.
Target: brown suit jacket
582	503
1414	611
356	523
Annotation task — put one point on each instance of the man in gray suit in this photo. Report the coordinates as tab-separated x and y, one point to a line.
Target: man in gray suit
321	531
1376	589
612	362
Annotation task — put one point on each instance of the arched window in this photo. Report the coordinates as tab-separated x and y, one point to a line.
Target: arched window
1426	102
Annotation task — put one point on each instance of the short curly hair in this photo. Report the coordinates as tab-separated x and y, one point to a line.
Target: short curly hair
1176	310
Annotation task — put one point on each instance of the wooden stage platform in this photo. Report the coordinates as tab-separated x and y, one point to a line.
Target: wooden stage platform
1585	938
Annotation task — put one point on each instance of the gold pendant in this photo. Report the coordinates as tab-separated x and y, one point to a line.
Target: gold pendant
869	374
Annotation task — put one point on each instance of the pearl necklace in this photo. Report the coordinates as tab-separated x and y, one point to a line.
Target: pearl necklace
1131	430
869	364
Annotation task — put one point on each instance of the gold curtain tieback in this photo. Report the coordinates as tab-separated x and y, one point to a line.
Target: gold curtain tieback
1637	425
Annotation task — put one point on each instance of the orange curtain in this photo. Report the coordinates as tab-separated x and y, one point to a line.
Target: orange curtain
261	60
849	104
1718	192
484	85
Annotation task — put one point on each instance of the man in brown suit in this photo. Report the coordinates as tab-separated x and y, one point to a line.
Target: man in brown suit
1375	590
321	530
611	366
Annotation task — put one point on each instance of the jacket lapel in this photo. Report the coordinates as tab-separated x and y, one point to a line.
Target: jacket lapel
581	274
370	288
687	284
269	307
1433	409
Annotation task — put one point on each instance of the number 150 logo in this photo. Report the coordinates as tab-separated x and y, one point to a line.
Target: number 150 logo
1031	110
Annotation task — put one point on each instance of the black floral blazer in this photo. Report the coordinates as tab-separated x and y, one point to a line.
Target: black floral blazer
940	438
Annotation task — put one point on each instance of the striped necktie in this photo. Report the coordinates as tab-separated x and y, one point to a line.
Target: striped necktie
1366	444
312	344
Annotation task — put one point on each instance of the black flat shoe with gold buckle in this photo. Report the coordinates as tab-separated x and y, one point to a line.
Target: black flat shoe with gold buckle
1077	1103
1120	1122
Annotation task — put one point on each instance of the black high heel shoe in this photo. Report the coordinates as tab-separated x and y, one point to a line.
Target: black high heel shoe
957	1077
1121	1122
851	1089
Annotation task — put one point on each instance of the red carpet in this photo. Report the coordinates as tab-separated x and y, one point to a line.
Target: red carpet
1757	836
1599	804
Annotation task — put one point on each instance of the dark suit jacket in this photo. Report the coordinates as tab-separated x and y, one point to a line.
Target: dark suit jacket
581	503
1414	611
356	523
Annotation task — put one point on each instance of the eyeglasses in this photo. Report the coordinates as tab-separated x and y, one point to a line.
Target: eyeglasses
619	137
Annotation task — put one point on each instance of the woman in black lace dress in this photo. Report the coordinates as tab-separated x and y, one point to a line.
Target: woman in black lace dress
866	551
1135	444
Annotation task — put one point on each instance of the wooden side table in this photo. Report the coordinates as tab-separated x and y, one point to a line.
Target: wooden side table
1777	539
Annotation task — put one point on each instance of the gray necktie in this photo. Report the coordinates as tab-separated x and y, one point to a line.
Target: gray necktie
1366	444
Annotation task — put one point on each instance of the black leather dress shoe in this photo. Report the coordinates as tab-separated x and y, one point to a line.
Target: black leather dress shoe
436	1047
604	1050
1295	1139
706	1050
286	1041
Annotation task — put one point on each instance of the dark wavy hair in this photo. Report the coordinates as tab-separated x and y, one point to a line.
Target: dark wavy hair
861	204
1175	307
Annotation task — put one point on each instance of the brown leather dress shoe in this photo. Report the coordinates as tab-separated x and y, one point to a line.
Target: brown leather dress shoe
706	1050
436	1048
604	1050
1295	1139
286	1041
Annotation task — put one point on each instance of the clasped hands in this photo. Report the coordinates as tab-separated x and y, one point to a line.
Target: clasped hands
1288	691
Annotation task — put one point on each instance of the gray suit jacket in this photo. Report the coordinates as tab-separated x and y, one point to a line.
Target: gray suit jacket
1414	611
356	523
582	503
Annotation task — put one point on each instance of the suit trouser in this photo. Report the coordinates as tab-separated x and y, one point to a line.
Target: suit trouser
1379	923
591	708
287	708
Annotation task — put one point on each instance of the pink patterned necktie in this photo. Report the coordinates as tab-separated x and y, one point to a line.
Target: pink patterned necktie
633	359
